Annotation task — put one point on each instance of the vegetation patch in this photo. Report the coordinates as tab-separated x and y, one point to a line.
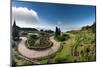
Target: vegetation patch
39	42
84	48
60	36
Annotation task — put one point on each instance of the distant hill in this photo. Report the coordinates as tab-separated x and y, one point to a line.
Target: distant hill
85	28
90	28
94	27
26	29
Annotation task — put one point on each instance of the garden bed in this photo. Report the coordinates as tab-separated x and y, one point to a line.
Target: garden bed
38	47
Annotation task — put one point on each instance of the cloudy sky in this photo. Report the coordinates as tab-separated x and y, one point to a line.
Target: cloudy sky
48	16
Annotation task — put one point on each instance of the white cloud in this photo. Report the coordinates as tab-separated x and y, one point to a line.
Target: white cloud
23	16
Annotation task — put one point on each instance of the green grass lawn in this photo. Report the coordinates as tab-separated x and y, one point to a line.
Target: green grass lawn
64	55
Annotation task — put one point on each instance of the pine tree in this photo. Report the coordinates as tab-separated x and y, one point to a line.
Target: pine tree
15	32
57	32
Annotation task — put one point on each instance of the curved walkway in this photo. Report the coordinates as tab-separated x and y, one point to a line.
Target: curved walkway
36	54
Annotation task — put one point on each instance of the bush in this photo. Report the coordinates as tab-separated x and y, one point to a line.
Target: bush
62	37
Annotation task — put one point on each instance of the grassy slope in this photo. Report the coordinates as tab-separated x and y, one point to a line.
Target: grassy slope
86	47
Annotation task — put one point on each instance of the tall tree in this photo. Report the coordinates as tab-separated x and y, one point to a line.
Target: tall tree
57	32
15	32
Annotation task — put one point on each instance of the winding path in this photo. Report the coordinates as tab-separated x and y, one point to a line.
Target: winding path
36	54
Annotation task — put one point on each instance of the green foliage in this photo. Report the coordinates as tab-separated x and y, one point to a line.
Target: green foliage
15	32
63	55
59	36
62	37
94	27
80	46
84	46
57	32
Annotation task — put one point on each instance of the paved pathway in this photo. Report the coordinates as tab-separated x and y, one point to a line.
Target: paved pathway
36	54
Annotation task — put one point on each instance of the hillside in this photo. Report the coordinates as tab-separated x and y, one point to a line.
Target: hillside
91	28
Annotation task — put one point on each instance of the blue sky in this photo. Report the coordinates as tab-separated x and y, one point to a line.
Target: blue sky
65	16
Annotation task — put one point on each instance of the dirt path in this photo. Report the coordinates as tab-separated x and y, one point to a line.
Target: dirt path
36	54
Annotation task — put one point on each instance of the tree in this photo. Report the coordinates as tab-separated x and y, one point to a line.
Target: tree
42	30
15	31
57	32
